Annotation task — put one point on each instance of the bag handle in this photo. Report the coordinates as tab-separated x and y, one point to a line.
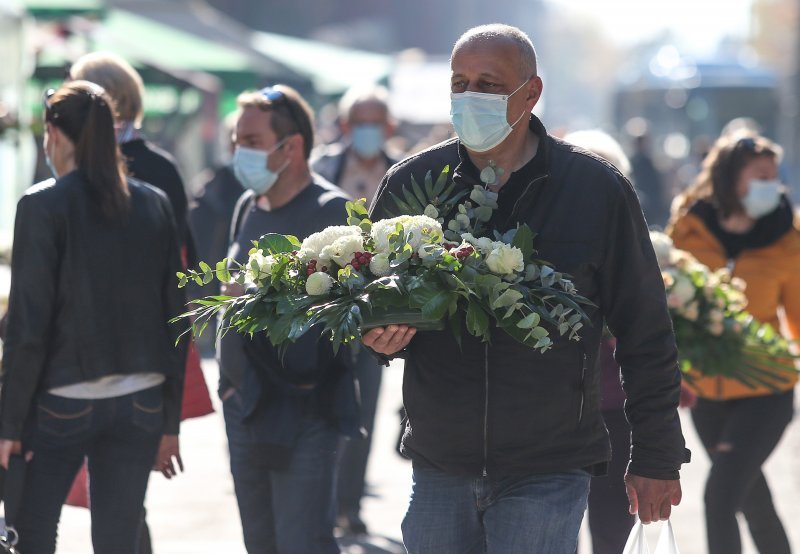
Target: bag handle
666	540
637	541
11	487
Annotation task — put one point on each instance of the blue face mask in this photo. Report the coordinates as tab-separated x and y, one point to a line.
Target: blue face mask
762	198
480	119
367	139
250	168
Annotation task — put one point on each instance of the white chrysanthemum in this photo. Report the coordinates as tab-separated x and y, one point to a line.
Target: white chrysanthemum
313	244
505	259
420	227
662	245
379	265
484	245
318	283
259	267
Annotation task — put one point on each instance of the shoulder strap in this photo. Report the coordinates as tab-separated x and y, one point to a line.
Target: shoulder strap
245	202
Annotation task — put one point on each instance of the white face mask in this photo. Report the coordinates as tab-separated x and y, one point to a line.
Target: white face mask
480	119
250	168
762	198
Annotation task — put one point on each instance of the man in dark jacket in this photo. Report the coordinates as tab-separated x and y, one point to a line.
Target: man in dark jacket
283	414
503	438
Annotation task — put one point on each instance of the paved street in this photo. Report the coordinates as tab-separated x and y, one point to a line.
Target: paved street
197	512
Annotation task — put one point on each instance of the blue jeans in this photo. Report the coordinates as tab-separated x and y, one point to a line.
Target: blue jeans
120	436
289	511
354	452
462	515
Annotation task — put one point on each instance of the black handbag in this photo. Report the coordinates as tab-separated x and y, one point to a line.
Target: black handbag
11	482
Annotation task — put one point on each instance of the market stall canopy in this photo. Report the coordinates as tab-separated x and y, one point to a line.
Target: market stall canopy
332	69
57	9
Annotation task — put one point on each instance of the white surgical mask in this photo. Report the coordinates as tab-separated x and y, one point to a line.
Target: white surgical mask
480	119
763	197
250	168
367	139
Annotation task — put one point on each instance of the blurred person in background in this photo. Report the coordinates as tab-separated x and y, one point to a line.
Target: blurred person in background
357	166
737	215
284	415
647	178
148	163
214	195
90	368
609	519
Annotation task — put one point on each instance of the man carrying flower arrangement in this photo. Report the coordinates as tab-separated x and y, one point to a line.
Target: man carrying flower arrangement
283	411
504	437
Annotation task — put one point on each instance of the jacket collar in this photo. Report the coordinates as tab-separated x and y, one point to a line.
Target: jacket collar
466	172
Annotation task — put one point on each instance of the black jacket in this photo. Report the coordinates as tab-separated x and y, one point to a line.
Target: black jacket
505	409
89	298
154	166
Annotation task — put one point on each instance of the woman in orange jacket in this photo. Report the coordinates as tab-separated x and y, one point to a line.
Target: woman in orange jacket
735	215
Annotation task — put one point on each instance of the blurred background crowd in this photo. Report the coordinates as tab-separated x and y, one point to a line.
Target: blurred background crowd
663	80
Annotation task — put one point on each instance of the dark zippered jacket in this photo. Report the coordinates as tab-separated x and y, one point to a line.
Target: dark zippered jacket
503	409
89	298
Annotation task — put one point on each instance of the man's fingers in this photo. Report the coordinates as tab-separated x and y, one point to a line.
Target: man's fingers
666	509
633	499
676	496
646	512
180	462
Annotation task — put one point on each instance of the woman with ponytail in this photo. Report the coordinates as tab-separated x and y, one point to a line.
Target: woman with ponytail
90	365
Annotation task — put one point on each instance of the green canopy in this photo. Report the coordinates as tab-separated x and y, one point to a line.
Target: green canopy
332	69
56	9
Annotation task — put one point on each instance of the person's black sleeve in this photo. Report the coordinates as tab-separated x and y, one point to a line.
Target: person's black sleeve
32	305
634	303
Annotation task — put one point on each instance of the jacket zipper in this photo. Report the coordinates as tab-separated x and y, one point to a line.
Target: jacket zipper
485	408
525	192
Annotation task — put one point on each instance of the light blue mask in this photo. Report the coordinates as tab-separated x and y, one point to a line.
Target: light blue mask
250	168
367	139
763	196
480	119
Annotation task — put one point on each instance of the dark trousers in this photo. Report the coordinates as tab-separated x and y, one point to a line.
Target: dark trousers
288	511
739	436
609	520
354	453
120	436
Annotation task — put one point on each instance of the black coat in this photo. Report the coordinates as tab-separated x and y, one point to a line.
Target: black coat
90	298
505	409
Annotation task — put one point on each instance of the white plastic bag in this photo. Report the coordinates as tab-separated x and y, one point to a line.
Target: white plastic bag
637	542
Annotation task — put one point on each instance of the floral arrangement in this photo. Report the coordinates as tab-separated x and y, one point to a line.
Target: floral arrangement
428	268
716	336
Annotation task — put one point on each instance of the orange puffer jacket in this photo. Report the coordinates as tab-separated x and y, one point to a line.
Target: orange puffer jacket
772	275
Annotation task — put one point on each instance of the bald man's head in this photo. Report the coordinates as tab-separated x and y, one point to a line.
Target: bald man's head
498	33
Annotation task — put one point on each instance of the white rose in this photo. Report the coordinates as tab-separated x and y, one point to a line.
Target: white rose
683	289
662	245
318	283
343	249
419	226
379	265
259	267
505	260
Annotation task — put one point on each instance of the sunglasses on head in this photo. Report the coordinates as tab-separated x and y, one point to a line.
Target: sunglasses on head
276	96
745	143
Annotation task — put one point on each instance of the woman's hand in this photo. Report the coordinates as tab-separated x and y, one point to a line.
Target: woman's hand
388	340
167	450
